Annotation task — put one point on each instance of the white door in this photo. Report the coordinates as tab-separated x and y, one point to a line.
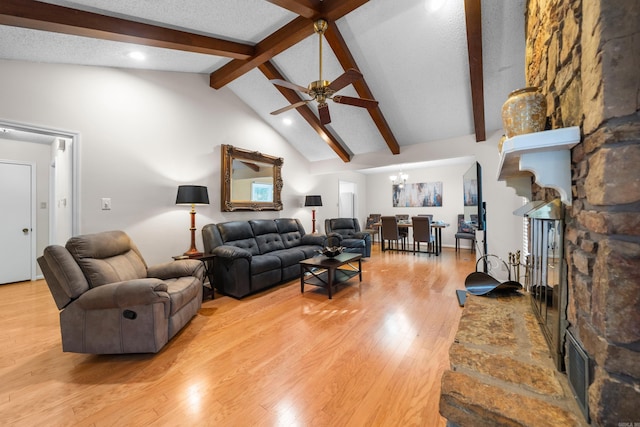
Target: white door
347	199
345	206
16	221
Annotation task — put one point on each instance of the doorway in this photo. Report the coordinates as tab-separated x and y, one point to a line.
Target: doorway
347	200
55	203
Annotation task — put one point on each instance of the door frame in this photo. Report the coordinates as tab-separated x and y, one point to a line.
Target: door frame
75	181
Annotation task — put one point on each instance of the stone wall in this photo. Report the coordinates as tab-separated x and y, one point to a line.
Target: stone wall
585	55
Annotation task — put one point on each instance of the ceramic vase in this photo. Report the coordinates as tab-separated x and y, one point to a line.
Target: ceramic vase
524	112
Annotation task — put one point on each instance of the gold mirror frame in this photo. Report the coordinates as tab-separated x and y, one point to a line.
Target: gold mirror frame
231	153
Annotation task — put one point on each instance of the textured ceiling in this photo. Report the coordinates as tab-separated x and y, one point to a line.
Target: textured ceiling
413	56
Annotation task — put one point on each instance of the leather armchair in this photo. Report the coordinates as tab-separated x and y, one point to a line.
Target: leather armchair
110	301
347	232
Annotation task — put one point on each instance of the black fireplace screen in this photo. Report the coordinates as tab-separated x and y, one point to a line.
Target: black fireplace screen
548	276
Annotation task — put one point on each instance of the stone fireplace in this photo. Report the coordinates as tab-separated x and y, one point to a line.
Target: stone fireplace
585	57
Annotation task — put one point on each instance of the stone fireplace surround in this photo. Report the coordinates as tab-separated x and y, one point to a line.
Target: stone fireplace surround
585	56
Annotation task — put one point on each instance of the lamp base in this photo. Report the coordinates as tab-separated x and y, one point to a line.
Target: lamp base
193	253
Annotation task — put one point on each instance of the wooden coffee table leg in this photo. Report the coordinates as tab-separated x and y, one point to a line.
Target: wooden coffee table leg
330	273
302	270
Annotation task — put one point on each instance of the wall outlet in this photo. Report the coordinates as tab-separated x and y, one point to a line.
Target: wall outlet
106	203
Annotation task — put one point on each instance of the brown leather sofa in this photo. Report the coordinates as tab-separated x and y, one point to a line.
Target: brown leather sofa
110	301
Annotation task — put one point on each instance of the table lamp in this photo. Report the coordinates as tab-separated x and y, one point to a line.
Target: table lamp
313	201
192	195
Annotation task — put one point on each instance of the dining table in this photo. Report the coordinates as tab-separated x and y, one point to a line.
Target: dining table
436	228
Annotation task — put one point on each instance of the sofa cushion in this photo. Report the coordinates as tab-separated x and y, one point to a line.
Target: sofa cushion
289	257
344	226
268	243
107	257
239	234
181	291
291	231
354	245
262	263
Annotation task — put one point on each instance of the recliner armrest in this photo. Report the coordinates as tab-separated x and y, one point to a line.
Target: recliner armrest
129	293
231	252
175	269
361	235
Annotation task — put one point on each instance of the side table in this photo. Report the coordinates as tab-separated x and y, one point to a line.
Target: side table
207	260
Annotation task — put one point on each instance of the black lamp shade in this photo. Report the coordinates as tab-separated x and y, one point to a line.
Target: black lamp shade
192	195
313	201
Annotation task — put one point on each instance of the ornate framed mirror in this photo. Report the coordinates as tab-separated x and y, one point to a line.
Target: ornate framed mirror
250	180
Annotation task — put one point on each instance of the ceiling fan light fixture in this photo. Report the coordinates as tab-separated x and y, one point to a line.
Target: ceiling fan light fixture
320	26
322	90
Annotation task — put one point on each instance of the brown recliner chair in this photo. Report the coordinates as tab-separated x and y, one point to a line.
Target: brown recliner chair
111	302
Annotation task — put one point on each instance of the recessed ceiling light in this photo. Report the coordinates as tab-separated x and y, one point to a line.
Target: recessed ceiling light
287	121
139	56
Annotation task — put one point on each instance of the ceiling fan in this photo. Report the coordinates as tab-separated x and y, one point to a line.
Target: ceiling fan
322	90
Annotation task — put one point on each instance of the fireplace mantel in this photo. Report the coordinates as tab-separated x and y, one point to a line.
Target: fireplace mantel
544	154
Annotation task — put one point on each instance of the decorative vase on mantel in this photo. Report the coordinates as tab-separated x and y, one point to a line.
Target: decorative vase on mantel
524	112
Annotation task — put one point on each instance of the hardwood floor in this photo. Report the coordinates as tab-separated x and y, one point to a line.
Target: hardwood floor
371	356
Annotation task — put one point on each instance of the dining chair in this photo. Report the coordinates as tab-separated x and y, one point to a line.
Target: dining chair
404	232
370	226
465	231
430	216
391	232
422	233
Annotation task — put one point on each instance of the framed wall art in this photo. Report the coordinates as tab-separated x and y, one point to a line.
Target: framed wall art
418	195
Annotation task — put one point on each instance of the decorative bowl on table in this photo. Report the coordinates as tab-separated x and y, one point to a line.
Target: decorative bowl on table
331	251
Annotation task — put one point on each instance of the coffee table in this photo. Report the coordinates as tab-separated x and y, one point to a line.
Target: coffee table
329	272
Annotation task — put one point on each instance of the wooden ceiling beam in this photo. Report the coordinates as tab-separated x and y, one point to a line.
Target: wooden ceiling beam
342	52
295	31
49	17
271	72
287	36
473	17
306	8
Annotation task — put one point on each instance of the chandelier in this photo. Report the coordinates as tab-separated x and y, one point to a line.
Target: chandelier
400	183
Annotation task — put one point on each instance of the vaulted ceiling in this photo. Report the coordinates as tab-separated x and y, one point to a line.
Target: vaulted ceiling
438	68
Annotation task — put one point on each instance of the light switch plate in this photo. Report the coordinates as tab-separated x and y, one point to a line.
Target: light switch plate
106	203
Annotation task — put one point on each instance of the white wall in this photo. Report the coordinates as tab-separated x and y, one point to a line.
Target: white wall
379	197
143	133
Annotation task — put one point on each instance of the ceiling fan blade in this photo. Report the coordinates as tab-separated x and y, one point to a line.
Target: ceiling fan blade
323	112
345	79
356	102
289	85
290	107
